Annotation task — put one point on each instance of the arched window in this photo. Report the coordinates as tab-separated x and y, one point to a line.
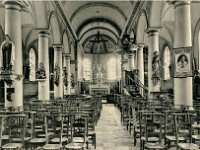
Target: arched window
32	64
166	63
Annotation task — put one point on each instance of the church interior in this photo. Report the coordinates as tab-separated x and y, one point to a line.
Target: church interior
104	75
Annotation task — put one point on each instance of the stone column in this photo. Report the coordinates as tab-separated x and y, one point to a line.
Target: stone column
43	59
123	83
183	93
131	61
118	67
153	46
13	29
140	65
118	71
58	72
67	89
136	59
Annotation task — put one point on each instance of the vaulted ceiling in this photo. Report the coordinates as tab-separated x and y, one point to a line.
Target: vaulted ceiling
90	17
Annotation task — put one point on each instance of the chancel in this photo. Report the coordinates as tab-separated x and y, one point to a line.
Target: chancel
104	75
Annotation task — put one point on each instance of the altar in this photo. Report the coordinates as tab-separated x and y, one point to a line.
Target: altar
99	88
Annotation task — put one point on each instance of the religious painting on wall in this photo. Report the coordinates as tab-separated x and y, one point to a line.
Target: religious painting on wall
183	63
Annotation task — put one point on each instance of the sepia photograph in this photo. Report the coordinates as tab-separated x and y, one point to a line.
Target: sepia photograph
99	74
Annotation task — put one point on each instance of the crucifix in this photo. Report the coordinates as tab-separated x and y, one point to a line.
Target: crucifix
98	39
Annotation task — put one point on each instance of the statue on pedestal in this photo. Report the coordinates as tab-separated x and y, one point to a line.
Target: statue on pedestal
40	73
156	68
7	54
56	74
72	80
65	74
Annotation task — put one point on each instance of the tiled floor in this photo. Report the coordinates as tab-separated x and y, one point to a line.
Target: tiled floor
111	135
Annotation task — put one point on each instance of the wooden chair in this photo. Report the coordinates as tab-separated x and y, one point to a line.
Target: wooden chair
184	121
79	138
41	134
196	127
170	136
150	139
15	126
56	143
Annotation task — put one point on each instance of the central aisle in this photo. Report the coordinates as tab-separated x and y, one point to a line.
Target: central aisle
111	135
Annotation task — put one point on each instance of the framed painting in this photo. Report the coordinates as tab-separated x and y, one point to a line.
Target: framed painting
182	62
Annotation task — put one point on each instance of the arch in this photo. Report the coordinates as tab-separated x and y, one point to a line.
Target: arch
32	64
167	31
72	51
196	44
102	4
103	28
65	42
55	27
98	19
142	25
28	35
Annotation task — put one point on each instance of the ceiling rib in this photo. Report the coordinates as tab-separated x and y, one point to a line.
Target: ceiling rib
61	13
137	5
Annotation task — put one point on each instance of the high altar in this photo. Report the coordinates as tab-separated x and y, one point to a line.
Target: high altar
99	86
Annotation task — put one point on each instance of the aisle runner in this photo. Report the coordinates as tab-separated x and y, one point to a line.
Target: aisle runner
111	135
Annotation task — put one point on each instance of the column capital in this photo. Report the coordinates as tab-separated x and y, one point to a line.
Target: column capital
177	3
58	47
153	30
130	54
67	55
14	4
43	31
141	45
134	47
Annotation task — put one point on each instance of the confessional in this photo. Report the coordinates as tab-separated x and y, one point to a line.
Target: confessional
196	85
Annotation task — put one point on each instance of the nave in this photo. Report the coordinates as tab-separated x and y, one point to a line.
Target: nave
111	134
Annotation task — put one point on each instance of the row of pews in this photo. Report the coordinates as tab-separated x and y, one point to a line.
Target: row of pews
51	125
156	124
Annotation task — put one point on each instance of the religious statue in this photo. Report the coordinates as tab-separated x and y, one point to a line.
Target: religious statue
56	74
65	76
156	68
7	54
40	73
